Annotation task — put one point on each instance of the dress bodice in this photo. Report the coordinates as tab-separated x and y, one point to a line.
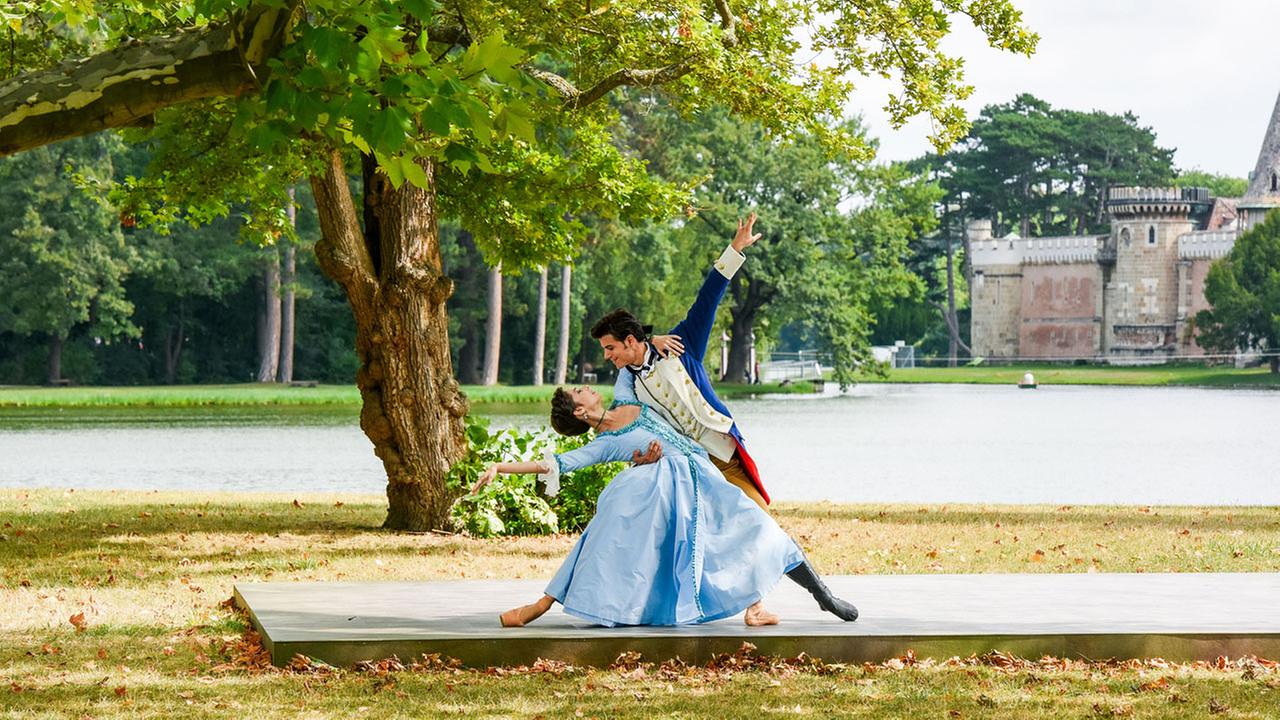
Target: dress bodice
618	446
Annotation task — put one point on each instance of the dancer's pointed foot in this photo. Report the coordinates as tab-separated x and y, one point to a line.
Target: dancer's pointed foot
525	614
756	616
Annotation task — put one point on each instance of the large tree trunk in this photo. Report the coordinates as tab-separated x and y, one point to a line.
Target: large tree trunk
540	328
412	406
173	343
269	319
469	357
952	322
493	328
1275	364
742	320
56	342
562	350
289	282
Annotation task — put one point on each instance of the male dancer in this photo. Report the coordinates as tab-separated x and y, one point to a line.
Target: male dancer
678	389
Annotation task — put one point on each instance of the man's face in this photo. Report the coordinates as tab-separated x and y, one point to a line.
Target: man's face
622	352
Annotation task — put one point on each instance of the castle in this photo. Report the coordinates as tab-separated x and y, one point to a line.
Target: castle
1127	297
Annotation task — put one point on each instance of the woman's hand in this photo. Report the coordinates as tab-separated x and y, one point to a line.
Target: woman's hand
485	478
668	346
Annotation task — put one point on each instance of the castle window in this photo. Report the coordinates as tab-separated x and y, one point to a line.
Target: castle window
1275	182
1151	235
1125	237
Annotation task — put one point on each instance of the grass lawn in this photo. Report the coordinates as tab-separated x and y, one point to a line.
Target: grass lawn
112	605
255	394
1152	375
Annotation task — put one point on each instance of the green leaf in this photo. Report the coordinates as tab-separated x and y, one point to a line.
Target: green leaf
422	10
517	125
279	96
413	172
460	156
368	59
329	46
391	166
434	117
498	58
471	62
391	127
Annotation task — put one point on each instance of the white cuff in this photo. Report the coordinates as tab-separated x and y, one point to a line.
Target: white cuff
551	477
729	262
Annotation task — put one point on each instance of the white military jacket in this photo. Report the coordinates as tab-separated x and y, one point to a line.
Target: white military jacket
665	386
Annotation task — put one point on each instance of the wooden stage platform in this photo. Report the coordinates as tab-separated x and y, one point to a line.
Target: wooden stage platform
1182	616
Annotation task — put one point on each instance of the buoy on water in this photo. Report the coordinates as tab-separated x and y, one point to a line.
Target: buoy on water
1028	382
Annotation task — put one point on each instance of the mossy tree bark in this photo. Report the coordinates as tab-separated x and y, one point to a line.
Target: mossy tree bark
391	272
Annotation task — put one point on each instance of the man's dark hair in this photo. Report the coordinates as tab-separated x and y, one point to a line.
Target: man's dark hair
619	324
562	418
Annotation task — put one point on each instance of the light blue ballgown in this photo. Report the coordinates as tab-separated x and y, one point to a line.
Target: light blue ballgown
672	542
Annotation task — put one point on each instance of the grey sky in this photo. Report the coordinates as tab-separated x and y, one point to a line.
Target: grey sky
1203	74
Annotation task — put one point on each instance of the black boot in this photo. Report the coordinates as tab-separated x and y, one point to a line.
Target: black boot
806	578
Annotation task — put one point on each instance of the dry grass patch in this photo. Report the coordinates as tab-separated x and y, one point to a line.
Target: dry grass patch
146	576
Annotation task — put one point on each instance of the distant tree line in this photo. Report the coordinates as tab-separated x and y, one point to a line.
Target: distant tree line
852	255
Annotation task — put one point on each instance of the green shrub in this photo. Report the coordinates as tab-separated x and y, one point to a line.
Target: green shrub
514	504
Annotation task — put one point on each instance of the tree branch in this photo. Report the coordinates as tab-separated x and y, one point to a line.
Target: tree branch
575	99
341	250
728	24
125	85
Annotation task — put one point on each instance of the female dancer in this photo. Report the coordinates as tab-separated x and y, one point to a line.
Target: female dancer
672	542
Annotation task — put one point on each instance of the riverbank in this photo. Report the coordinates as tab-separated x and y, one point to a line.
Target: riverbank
112	605
1049	374
268	394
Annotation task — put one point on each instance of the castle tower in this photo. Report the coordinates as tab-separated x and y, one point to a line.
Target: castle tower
995	295
1264	182
1141	299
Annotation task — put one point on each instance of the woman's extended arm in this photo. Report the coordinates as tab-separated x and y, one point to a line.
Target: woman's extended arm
509	468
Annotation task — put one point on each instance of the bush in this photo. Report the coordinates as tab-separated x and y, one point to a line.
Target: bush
514	504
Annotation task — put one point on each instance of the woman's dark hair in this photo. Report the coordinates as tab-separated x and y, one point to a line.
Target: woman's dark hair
562	418
619	324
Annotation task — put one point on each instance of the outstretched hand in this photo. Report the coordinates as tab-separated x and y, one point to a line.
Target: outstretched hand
744	239
485	478
651	454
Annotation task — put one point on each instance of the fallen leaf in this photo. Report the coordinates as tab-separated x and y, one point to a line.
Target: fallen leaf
102	653
296	503
78	621
1217	707
121	691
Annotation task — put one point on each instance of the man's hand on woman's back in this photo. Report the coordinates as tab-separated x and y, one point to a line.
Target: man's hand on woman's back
668	346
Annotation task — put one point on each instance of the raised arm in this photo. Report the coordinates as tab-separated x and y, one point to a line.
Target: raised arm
695	329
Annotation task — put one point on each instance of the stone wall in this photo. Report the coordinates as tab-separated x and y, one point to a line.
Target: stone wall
1194	273
995	298
1061	310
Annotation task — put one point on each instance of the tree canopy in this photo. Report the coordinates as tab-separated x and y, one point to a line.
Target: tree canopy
494	113
1244	290
1044	171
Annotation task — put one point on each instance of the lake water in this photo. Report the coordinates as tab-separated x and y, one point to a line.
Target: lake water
877	443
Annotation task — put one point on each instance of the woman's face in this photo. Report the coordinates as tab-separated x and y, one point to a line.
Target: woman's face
586	399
